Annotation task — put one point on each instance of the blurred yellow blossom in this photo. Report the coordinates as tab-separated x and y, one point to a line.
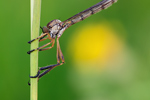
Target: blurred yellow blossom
95	45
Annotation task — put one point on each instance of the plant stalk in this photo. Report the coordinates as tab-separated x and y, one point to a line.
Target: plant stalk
35	26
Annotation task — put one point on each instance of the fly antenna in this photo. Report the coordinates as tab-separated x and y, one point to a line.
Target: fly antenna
41	27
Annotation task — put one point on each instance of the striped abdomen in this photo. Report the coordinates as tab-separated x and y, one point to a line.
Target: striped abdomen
88	12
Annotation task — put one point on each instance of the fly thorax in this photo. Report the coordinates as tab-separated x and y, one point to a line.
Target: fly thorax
54	30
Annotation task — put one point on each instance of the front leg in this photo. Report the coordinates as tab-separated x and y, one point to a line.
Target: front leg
41	36
40	48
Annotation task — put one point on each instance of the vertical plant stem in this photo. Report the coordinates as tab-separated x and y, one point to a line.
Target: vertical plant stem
35	26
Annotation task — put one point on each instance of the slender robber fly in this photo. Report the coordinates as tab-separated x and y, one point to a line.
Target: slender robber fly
55	29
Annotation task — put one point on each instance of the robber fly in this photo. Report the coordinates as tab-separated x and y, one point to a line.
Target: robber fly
55	29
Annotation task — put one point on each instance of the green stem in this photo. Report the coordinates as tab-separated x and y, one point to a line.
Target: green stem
35	26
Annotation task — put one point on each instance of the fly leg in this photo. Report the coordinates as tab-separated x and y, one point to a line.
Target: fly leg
42	35
50	67
40	48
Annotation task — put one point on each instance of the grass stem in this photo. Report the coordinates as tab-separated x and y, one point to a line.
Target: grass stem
35	26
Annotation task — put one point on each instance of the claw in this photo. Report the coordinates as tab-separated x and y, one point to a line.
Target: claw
38	73
35	75
30	51
29	83
31	41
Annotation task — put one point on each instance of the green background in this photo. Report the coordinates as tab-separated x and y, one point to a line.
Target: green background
14	61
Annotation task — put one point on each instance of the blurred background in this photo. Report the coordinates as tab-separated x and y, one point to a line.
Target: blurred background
107	56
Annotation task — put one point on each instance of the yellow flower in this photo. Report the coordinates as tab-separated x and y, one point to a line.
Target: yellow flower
94	45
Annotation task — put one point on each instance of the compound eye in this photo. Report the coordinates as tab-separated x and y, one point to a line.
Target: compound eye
45	29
